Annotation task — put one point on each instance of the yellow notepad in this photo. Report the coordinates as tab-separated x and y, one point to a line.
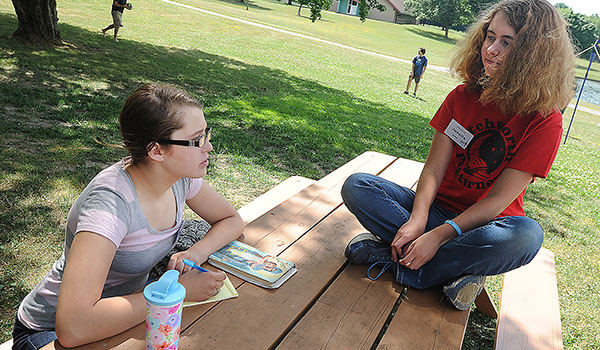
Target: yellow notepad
227	291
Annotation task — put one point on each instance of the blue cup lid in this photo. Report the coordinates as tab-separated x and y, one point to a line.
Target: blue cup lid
166	291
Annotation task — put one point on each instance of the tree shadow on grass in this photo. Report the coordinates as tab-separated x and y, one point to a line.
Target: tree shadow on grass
55	101
438	37
242	4
584	67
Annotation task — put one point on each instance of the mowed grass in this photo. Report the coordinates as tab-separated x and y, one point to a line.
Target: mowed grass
401	41
280	105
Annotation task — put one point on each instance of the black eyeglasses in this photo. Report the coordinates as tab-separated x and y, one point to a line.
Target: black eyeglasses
199	142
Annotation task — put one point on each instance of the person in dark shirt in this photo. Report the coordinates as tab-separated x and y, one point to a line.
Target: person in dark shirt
419	66
117	15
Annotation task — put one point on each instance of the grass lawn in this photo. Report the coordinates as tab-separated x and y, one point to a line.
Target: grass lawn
280	106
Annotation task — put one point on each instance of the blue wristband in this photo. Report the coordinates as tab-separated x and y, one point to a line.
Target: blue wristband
455	226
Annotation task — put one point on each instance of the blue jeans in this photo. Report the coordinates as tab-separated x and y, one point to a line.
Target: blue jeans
29	339
501	245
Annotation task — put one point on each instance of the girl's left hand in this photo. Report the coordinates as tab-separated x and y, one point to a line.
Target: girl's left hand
176	261
420	251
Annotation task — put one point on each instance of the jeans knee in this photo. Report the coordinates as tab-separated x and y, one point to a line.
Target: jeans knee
527	236
352	186
531	233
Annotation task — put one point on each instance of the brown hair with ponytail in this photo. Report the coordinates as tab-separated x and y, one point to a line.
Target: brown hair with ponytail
152	113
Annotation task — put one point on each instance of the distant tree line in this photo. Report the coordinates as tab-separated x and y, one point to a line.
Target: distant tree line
459	14
448	14
585	30
38	19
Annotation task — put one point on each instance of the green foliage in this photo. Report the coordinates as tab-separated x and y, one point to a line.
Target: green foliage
595	19
585	30
479	6
447	13
582	30
561	5
365	6
316	6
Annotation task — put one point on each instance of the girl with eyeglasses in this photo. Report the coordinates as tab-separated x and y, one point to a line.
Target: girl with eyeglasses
126	220
494	134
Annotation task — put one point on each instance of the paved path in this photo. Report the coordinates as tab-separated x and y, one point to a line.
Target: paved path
585	109
304	36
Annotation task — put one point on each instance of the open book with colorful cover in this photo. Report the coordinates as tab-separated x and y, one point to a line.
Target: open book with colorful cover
252	265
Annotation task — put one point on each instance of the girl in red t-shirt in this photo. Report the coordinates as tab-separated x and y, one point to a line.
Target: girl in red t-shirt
494	135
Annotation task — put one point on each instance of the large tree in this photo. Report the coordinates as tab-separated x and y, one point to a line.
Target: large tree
447	13
365	6
37	21
583	30
316	6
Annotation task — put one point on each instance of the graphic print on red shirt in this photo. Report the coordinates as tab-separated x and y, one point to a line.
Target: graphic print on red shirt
500	141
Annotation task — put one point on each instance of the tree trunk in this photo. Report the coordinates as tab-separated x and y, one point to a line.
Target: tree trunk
446	32
299	8
289	2
38	21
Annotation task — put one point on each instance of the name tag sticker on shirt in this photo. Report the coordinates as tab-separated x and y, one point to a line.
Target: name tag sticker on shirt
458	134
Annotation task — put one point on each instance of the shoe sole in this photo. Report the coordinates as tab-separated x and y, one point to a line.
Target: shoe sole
466	294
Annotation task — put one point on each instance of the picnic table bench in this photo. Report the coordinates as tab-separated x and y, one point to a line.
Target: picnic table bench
330	304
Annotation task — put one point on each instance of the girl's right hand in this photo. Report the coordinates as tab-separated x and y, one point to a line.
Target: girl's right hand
406	234
200	286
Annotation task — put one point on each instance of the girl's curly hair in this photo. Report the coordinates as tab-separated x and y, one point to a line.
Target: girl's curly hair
537	72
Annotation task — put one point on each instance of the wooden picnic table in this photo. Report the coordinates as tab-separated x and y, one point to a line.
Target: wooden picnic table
327	304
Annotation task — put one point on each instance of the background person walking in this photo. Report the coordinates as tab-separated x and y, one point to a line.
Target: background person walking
117	15
419	65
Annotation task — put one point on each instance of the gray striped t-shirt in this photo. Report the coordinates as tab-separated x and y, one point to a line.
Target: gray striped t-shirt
109	207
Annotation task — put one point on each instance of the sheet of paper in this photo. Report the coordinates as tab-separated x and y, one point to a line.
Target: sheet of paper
227	291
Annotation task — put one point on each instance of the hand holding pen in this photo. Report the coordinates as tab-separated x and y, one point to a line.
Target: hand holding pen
193	265
213	281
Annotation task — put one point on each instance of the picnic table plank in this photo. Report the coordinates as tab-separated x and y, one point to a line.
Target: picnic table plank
404	172
266	315
424	322
275	230
273	197
349	315
336	325
485	305
529	309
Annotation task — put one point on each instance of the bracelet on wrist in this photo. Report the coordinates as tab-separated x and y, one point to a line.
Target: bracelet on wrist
454	226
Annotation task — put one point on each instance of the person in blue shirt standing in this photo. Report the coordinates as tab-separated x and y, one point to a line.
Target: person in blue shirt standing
419	65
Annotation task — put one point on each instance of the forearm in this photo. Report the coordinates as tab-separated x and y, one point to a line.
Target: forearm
82	324
425	194
507	188
219	235
431	177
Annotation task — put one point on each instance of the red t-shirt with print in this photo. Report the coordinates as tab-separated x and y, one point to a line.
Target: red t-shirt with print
526	143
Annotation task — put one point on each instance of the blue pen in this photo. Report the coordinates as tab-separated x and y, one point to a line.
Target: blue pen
193	265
